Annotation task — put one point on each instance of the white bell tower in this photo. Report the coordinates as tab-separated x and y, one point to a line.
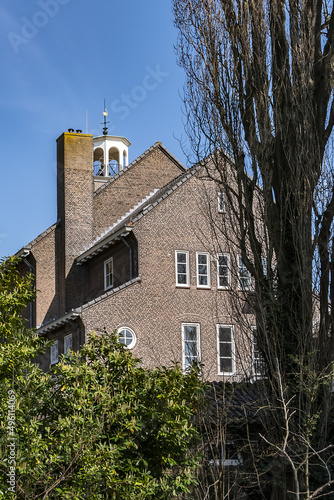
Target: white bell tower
110	152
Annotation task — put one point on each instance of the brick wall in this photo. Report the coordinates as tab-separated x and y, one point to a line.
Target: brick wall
153	171
155	308
44	254
75	212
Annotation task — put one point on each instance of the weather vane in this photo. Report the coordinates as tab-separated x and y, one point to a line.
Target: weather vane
105	114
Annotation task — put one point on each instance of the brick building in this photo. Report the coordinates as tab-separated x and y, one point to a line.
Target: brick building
133	250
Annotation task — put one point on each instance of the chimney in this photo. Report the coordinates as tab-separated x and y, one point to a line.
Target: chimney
74	212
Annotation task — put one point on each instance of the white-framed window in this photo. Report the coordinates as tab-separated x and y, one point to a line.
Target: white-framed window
203	269
224	454
224	271
127	337
54	353
257	359
225	348
68	343
108	274
182	268
221	203
190	344
243	275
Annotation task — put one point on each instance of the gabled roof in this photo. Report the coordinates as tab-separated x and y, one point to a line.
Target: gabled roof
109	235
28	247
156	145
59	321
125	223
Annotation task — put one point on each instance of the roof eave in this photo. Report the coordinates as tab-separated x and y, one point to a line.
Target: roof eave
58	322
103	244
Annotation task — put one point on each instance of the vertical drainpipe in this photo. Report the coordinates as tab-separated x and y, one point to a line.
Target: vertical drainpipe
130	252
23	256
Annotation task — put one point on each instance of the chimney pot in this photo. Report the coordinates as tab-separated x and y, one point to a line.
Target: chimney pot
71	130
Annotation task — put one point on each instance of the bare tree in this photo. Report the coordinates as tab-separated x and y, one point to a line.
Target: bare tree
259	106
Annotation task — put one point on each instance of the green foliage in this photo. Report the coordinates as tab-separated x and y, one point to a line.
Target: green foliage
99	425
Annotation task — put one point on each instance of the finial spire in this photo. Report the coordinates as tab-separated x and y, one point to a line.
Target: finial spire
105	114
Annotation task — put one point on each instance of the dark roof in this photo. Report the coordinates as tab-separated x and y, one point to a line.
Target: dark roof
238	402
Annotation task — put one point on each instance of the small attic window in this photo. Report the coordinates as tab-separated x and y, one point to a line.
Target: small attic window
108	274
54	353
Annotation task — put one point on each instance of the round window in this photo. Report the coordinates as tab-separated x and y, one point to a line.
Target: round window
127	337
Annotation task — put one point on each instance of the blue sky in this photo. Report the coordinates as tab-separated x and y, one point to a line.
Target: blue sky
59	60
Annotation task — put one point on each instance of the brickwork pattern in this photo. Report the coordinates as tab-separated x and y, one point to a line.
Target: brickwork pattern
153	171
44	254
155	308
75	213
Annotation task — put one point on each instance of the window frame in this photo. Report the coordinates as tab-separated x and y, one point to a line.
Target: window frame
198	344
227	287
187	284
54	353
207	254
67	348
107	275
134	336
232	342
243	288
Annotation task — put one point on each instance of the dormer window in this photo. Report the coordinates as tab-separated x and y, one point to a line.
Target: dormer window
67	343
108	274
54	353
